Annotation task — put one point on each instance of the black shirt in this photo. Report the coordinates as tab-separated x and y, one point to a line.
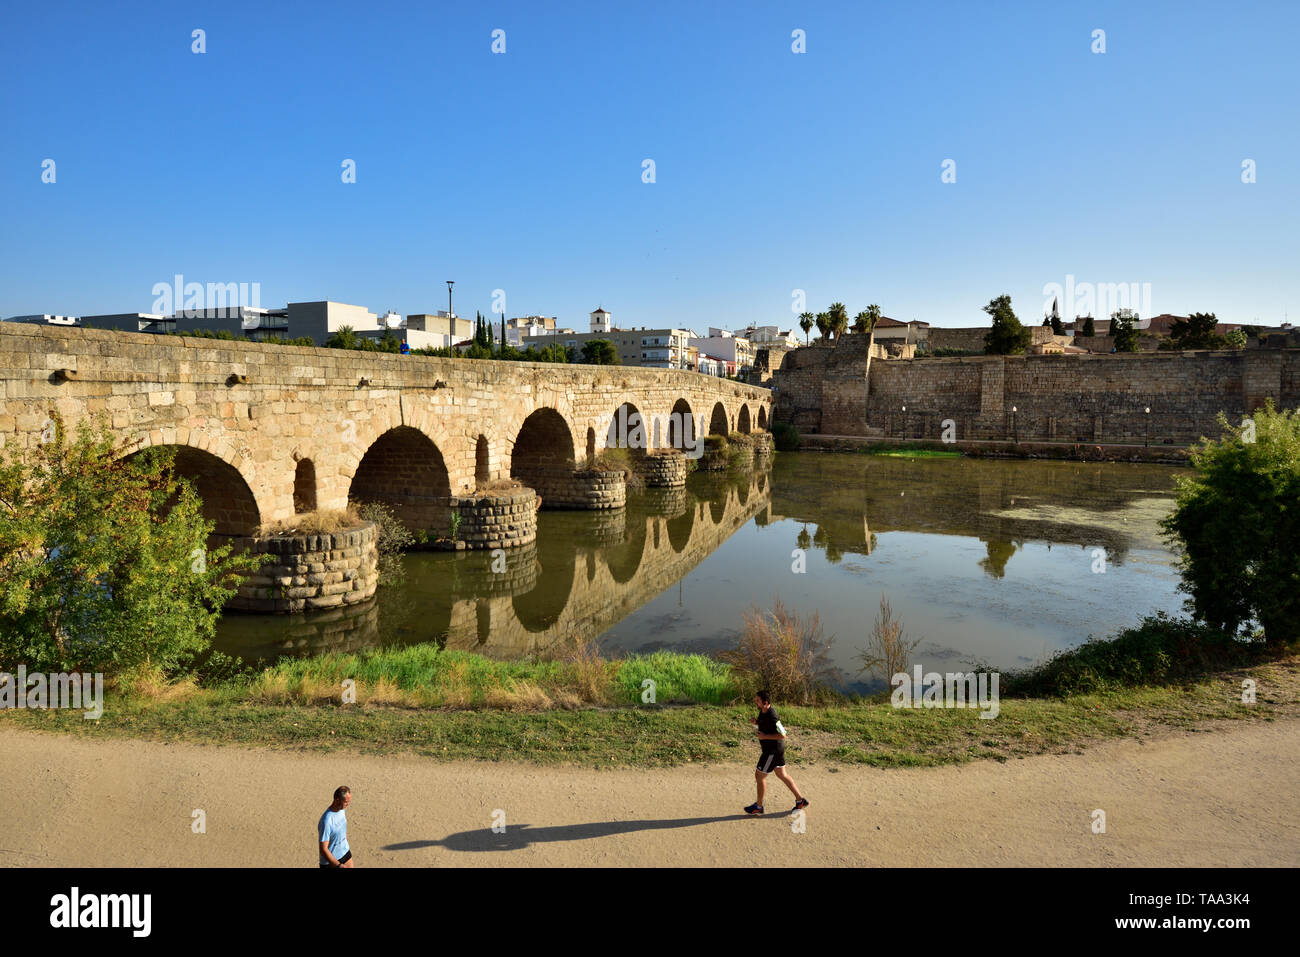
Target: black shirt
767	725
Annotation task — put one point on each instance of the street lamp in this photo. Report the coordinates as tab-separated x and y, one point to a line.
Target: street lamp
904	421
450	283
1015	437
1147	410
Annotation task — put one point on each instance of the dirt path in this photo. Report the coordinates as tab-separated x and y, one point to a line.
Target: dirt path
1226	798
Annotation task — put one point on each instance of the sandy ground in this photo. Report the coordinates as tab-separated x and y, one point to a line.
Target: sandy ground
1230	797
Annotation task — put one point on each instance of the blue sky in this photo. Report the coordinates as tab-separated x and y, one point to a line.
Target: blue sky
775	171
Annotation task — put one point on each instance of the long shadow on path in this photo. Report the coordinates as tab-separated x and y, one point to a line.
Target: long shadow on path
519	836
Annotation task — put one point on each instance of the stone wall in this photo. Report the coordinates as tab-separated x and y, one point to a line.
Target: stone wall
309	572
1049	398
1078	398
971	338
823	387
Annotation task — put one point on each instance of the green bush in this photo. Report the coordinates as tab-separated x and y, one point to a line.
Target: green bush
104	560
1238	522
785	437
392	538
1159	651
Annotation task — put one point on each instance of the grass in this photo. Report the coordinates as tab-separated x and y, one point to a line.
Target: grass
319	522
456	705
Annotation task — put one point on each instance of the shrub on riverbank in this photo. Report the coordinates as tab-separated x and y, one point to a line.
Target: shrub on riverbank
1238	521
104	564
1159	651
785	437
392	538
787	654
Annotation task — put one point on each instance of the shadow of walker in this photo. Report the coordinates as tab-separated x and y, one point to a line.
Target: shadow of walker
519	836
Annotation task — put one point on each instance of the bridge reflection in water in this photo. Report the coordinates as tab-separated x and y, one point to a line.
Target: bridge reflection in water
586	572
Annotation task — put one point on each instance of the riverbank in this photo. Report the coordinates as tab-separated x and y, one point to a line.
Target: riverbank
1181	799
627	735
1070	451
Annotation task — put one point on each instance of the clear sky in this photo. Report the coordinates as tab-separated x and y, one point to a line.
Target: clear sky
774	171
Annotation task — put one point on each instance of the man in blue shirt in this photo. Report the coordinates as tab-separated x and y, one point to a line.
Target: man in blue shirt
332	832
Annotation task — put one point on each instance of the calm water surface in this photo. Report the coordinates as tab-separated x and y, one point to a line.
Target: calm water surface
983	560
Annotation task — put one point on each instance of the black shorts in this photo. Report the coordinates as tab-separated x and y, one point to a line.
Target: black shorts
771	760
342	860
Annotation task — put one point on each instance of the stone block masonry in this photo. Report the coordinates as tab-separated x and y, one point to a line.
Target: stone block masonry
310	572
1055	398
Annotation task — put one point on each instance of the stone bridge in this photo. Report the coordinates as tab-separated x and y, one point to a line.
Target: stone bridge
267	432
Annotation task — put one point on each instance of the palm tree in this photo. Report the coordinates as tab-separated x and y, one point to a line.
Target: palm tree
872	313
343	338
839	317
824	323
806	324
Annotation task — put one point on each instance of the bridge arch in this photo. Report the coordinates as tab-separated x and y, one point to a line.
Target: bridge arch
630	429
543	449
404	469
681	425
718	420
742	419
227	497
762	417
212	464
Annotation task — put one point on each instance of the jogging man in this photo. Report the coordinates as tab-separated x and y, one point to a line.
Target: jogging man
332	832
771	736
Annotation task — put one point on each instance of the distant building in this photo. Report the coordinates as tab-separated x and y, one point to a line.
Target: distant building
46	319
320	320
650	348
131	322
771	337
438	329
736	351
913	333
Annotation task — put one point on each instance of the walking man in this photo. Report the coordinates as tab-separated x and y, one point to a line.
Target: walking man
771	736
332	832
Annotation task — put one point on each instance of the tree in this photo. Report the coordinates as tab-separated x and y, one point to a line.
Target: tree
866	320
1236	338
1123	331
1089	328
1008	336
824	324
1197	331
104	563
599	352
806	324
1238	523
839	318
344	338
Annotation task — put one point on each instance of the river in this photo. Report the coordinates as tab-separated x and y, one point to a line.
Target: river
1001	562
